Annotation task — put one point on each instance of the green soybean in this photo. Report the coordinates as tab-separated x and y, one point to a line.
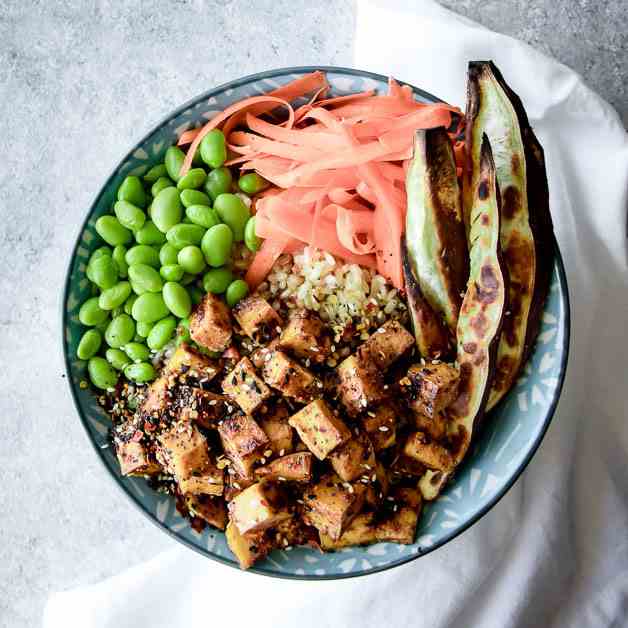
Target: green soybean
217	280
149	234
143	329
120	330
194	197
89	344
187	279
161	184
118	256
183	235
236	291
104	272
191	259
177	299
137	351
113	297
171	272
101	374
142	254
183	331
91	313
252	183
141	373
129	215
202	215
132	191
192	180
128	304
251	239
196	294
150	307
99	252
174	160
234	213
168	254
216	245
117	358
167	210
155	172
218	182
112	232
145	278
213	149
161	333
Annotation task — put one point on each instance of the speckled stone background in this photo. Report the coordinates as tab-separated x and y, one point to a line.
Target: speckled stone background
80	82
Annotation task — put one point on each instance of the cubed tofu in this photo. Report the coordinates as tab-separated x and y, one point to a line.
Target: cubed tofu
157	397
306	337
295	467
213	510
400	527
387	343
331	504
378	487
210	325
409	496
290	378
277	429
380	424
134	459
431	484
360	384
435	426
354	458
429	389
236	483
186	454
421	448
259	507
360	531
248	548
188	363
292	532
406	466
319	428
201	406
243	441
261	354
244	386
257	318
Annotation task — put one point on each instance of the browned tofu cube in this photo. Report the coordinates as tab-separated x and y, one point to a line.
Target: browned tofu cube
245	387
306	337
400	527
276	427
421	448
262	354
185	451
248	548
319	428
435	426
290	378
236	483
360	531
187	363
377	488
431	483
387	343
257	318
210	325
201	406
409	496
292	532
243	441
258	507
157	397
134	459
293	467
331	504
213	510
380	424
360	384
353	459
407	466
429	389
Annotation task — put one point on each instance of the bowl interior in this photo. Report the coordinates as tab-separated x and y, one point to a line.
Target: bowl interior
509	437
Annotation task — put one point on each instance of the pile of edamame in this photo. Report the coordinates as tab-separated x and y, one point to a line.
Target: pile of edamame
168	241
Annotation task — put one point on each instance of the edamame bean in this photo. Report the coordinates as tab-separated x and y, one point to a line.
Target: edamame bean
168	254
166	212
177	299
161	184
251	239
236	291
120	330
234	213
104	272
183	331
150	307
155	172
187	279
216	245
202	215
132	191
114	296
183	235
144	278
142	254
112	232
161	333
218	182
252	183
191	259
117	358
149	234
129	215
213	148
217	280
192	180
99	252
101	374
174	160
128	304
141	373
171	272
143	329
91	313
89	344
118	257
137	351
196	294
194	197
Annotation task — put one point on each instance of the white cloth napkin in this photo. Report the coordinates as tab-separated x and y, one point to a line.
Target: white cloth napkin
554	551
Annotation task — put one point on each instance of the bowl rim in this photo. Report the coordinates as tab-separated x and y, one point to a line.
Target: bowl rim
562	278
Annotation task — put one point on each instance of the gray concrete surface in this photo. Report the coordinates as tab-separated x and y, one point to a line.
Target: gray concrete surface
79	83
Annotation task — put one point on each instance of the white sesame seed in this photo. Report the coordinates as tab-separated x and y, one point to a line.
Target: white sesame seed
383	428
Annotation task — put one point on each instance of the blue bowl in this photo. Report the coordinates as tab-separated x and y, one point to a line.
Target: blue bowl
508	439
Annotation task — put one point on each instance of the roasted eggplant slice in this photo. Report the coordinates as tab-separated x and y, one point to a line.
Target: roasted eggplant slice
526	240
435	233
